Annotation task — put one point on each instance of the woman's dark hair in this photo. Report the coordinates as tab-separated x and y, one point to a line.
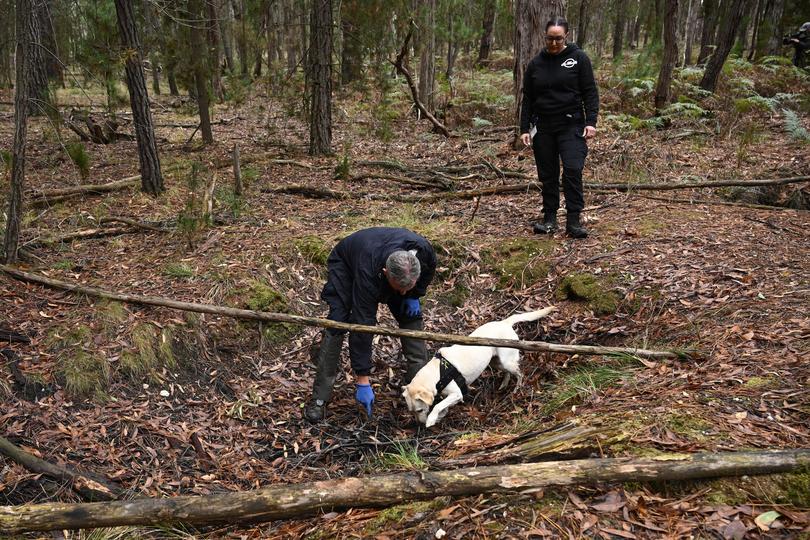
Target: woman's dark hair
557	21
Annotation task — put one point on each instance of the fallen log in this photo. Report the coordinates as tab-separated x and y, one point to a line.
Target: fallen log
720	203
697	185
89	487
86	188
264	316
296	500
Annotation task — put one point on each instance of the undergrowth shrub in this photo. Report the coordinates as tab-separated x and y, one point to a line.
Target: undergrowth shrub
794	126
196	213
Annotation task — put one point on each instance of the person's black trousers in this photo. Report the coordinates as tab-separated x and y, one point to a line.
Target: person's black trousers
555	142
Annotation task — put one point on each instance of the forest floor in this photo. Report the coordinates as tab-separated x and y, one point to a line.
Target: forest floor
131	391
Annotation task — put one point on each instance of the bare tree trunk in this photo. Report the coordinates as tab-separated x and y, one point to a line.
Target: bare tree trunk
241	35
172	80
26	28
755	31
618	29
691	25
487	35
53	64
291	45
711	9
351	55
214	53
582	25
259	52
670	55
427	48
320	78
296	500
225	24
725	40
773	16
201	77
530	24
39	92
151	177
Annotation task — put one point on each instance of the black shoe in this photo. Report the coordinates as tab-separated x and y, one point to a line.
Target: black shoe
574	228
315	411
548	226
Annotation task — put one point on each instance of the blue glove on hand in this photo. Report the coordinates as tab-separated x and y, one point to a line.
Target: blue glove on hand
411	308
365	396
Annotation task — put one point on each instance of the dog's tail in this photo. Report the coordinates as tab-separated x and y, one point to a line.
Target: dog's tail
529	316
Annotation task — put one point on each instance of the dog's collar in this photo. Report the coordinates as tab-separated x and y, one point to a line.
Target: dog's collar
447	374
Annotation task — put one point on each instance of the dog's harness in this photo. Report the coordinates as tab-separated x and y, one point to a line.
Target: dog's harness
447	374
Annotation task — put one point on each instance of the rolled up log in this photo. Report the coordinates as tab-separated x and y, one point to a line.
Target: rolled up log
296	500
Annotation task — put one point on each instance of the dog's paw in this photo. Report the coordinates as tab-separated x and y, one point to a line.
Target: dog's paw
431	421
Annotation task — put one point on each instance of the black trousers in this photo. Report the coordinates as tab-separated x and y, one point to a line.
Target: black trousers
555	142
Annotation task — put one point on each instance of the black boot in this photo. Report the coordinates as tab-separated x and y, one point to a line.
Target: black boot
414	350
548	226
325	375
573	226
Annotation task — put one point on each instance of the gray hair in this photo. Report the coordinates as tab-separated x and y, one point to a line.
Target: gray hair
403	268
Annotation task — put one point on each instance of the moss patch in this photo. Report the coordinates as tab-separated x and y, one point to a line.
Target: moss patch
313	248
456	296
178	270
84	375
690	426
760	382
521	261
396	514
595	291
259	296
150	350
649	226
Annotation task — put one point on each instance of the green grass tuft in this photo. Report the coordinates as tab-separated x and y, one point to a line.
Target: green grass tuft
313	248
178	270
583	382
84	375
79	156
404	456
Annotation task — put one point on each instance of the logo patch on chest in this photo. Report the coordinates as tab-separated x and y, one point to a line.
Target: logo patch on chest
569	63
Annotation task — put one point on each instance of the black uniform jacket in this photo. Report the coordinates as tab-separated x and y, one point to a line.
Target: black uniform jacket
356	283
559	84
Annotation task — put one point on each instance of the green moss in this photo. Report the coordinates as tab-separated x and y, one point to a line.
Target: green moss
649	225
796	487
520	261
396	514
595	291
84	375
690	426
259	296
760	382
165	350
313	248
62	265
111	313
457	295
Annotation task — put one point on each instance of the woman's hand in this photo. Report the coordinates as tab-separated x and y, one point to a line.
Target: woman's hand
589	133
526	139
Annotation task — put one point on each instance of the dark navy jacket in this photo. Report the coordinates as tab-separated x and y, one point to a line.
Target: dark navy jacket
356	283
558	84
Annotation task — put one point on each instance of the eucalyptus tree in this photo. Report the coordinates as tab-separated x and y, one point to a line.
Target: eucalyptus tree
320	78
732	16
151	177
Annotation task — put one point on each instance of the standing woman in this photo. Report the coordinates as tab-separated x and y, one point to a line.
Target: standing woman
561	100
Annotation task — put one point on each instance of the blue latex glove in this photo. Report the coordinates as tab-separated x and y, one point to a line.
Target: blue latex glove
365	396
412	308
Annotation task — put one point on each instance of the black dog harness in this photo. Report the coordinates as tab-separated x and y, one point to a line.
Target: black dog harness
447	374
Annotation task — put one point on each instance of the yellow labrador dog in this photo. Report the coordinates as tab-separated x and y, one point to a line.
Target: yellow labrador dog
454	367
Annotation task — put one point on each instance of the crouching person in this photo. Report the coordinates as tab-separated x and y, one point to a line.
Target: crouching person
373	266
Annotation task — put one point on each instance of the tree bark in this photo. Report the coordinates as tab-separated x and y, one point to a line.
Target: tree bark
711	9
618	29
296	500
39	92
50	49
487	33
26	31
582	24
195	9
320	78
351	55
537	346
670	57
427	53
774	17
241	36
225	24
214	50
689	38
530	24
151	176
725	40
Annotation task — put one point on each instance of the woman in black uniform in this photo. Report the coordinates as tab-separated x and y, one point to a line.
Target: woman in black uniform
561	100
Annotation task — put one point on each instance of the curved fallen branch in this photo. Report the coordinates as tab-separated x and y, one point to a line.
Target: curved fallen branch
296	500
90	488
538	346
696	185
399	64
